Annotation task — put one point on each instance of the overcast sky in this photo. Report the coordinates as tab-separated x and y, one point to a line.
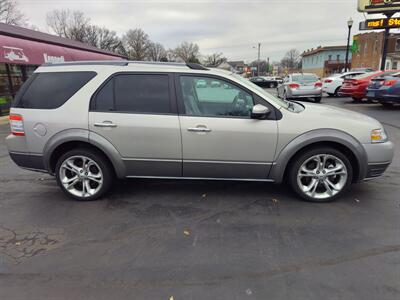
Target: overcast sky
229	26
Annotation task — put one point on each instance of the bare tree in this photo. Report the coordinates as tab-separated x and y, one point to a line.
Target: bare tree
291	59
157	52
75	25
69	24
188	52
136	43
214	60
10	14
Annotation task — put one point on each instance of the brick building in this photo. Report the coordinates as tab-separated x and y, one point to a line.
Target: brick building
367	51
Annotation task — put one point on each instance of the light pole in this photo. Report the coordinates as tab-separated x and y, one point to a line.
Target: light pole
349	25
258	59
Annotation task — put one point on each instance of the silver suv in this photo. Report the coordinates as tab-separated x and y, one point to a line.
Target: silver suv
90	122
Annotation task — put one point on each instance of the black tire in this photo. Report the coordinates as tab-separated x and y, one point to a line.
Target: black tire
101	161
301	157
317	99
387	105
336	93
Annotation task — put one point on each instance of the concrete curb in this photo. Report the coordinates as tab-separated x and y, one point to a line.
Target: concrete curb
4	120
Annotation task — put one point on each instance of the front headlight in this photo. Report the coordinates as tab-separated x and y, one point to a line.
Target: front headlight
378	136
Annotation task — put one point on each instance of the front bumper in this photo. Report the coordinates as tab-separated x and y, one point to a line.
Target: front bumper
379	157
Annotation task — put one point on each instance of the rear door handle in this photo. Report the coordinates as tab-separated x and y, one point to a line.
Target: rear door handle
199	129
105	124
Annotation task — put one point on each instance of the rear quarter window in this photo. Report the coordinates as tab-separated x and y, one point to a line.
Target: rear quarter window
51	90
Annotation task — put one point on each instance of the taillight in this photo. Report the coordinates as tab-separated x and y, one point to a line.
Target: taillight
17	125
294	85
318	84
389	82
328	80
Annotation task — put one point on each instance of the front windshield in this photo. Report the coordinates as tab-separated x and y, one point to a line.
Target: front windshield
267	95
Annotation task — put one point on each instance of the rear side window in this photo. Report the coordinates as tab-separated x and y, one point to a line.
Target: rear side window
134	93
51	90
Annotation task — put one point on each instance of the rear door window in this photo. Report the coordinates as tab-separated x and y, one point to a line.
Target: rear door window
51	90
135	93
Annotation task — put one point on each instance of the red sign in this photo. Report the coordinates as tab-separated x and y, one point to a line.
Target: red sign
26	52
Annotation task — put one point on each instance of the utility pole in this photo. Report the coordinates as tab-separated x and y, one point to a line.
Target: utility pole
258	61
385	43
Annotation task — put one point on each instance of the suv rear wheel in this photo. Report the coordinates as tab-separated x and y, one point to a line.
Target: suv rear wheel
83	174
320	174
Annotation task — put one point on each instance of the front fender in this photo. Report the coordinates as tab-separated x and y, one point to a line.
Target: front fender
317	136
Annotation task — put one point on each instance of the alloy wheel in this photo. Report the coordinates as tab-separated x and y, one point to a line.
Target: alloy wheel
322	176
81	176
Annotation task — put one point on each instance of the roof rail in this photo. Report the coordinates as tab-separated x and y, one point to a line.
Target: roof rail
81	63
195	66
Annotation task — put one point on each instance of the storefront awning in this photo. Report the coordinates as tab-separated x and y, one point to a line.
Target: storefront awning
26	52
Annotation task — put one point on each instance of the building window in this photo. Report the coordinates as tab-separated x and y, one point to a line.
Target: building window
329	57
398	45
394	67
338	57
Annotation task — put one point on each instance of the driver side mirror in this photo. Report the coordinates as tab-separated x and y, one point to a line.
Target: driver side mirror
259	112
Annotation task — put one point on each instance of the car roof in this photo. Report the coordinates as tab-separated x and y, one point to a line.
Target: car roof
125	65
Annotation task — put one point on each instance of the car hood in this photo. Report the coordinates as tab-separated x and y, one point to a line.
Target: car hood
317	116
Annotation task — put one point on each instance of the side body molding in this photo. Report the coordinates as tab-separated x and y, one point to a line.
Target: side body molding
316	136
82	135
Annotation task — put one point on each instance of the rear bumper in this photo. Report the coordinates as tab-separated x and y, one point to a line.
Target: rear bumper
382	96
28	161
305	93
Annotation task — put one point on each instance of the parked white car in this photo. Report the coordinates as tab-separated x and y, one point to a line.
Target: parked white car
332	84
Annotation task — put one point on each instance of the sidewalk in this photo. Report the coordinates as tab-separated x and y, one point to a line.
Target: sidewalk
4	120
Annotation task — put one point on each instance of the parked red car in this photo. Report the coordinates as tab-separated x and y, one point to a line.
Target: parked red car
356	87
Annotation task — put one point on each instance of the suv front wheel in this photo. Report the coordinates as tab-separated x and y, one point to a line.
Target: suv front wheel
320	174
83	174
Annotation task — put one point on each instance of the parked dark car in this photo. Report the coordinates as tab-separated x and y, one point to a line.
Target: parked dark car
385	90
263	81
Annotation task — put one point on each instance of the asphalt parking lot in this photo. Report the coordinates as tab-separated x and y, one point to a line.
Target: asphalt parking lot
199	239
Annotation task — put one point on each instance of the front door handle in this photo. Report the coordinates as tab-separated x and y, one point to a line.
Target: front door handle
105	124
199	129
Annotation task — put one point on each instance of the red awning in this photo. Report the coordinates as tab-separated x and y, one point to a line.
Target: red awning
19	51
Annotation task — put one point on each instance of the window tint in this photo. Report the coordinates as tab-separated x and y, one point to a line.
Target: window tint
213	97
136	93
51	90
105	97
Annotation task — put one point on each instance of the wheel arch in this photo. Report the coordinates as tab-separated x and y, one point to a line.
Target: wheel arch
73	138
337	139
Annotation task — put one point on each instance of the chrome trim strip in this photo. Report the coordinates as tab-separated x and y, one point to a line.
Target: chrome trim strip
26	153
152	159
201	161
202	178
228	162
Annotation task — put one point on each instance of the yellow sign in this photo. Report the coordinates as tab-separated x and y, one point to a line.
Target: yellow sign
380	23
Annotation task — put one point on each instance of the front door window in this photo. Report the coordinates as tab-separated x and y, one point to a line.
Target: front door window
211	97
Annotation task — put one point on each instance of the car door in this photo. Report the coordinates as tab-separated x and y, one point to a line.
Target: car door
219	137
137	114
